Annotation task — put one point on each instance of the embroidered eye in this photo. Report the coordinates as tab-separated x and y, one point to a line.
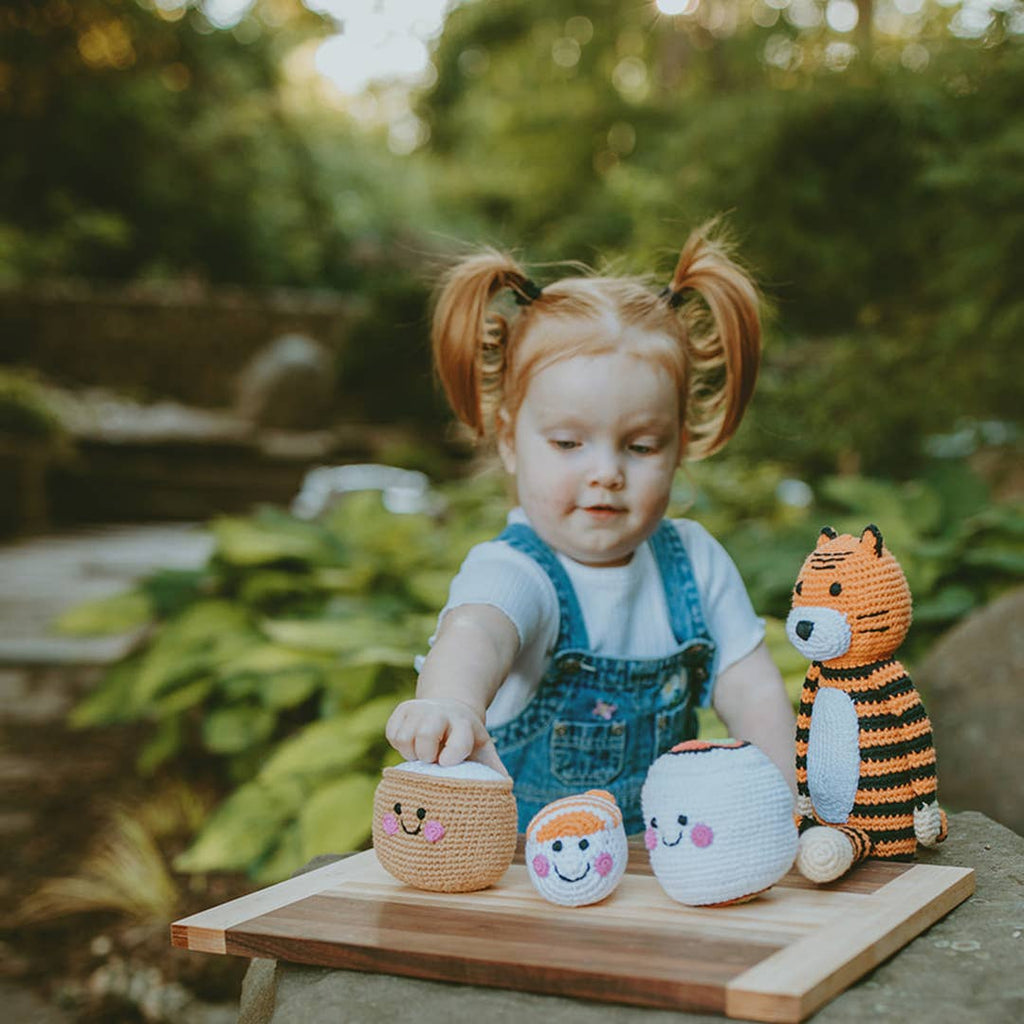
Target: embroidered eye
421	813
654	822
584	843
836	589
799	587
557	846
682	819
398	808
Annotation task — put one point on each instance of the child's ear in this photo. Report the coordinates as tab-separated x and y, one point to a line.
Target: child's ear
684	439
506	440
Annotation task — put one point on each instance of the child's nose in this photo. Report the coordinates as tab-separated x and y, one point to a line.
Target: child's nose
607	470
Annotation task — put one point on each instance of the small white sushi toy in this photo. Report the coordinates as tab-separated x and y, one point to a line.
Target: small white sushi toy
576	848
720	826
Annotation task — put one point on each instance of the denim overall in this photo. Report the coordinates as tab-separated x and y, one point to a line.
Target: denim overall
597	722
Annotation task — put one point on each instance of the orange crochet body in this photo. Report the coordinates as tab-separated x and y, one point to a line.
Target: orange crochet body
865	762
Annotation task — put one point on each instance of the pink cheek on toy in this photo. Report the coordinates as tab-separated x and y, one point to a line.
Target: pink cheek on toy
604	864
701	836
432	831
650	839
541	866
390	823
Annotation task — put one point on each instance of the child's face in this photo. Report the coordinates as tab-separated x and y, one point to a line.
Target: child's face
593	449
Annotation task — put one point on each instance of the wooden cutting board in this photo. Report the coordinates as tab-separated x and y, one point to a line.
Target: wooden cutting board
778	958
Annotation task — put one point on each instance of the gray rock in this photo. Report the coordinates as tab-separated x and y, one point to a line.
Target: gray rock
288	385
973	684
968	967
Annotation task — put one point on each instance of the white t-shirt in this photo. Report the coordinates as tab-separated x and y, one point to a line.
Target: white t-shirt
624	607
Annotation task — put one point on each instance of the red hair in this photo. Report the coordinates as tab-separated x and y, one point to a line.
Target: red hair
485	357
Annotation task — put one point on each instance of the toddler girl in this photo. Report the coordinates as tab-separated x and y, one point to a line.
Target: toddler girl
575	647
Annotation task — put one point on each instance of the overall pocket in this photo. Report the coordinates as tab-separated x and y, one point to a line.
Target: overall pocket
587	754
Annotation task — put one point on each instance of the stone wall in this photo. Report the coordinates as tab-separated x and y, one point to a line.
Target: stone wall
181	342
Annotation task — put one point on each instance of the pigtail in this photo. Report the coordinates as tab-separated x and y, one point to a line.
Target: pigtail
469	338
725	347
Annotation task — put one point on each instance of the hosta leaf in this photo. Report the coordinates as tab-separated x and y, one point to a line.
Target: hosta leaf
231	730
201	639
106	616
161	746
283	859
249	542
243	827
338	817
111	701
289	688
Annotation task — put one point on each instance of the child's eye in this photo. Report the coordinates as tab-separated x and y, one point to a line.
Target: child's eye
642	449
563	444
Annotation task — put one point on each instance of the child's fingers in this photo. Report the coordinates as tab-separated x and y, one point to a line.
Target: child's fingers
400	732
459	743
428	739
487	754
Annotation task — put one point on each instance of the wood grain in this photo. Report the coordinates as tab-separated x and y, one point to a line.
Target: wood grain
777	958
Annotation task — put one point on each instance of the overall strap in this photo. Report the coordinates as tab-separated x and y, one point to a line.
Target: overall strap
572	631
685	613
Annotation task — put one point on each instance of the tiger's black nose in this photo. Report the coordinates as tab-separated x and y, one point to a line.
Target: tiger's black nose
804	629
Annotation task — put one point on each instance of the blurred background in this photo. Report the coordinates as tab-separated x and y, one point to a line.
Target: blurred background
231	498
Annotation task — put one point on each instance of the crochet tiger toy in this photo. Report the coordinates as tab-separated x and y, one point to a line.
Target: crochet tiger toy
865	763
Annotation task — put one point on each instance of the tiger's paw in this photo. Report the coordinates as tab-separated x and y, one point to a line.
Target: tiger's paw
824	854
930	824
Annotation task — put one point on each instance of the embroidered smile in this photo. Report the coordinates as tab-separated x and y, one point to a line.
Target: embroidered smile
420	813
578	878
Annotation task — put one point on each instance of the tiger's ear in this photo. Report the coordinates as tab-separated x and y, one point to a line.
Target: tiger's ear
875	539
827	534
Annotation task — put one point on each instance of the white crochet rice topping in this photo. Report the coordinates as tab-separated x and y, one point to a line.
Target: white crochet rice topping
472	770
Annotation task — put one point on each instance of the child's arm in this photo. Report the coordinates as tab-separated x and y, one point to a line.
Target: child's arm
473	653
751	699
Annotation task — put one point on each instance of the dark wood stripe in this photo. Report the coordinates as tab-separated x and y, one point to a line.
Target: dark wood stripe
651	966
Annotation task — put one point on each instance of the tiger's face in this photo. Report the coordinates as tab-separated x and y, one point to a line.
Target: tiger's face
851	601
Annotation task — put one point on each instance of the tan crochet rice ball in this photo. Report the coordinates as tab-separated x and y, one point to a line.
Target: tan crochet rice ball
444	829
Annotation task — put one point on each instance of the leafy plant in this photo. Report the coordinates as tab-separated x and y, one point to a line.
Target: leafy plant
280	663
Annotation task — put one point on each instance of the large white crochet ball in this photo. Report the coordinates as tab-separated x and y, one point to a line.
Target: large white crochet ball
576	848
719	822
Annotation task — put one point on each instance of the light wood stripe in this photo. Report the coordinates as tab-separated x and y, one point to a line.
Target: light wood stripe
796	981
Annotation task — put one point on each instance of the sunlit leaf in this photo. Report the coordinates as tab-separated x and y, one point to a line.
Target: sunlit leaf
161	746
230	730
111	701
106	616
251	542
242	828
338	817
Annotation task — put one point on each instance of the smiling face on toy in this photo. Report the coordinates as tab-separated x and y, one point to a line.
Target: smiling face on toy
719	822
576	849
444	829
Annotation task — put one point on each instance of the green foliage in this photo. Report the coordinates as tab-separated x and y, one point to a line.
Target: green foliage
288	694
280	663
958	547
24	411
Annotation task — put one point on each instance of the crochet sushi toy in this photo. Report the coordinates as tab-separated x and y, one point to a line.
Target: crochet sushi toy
865	763
719	819
576	848
446	829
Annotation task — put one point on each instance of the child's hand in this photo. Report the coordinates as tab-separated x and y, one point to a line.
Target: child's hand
442	730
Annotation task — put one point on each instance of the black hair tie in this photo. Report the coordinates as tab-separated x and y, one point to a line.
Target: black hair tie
526	292
674	298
